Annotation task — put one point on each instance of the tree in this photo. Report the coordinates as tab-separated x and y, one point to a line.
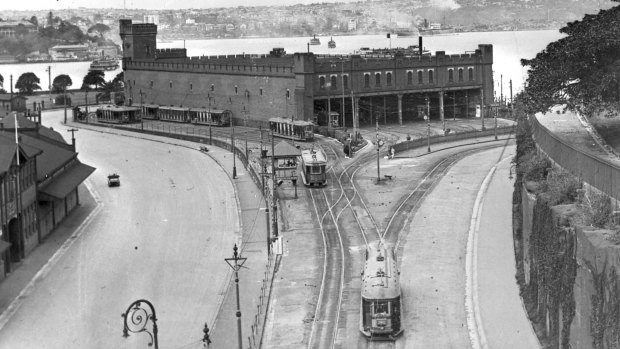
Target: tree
27	83
94	77
580	70
120	79
34	20
99	29
2	80
107	88
61	82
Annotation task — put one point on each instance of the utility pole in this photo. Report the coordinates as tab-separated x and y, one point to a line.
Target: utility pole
512	103
428	125
49	86
73	130
378	145
11	101
232	143
482	107
65	101
342	86
274	206
236	262
141	111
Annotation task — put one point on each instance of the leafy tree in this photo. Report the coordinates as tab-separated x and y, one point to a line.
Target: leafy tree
99	29
120	79
27	83
61	82
107	88
2	80
34	20
580	70
94	77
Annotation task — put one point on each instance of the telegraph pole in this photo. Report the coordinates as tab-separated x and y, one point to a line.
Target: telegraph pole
428	125
232	143
11	101
73	130
49	86
274	206
65	101
378	145
236	262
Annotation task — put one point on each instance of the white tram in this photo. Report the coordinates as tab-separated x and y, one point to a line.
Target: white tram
176	114
118	114
313	167
205	116
292	129
380	311
150	111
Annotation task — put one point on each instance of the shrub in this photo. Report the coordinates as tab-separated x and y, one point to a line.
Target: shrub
562	187
597	210
533	167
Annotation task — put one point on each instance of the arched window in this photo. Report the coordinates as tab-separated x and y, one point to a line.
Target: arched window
345	82
460	74
450	75
409	77
322	82
471	74
388	79
430	76
366	80
420	77
377	79
334	83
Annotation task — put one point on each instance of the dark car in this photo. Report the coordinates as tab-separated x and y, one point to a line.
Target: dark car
114	180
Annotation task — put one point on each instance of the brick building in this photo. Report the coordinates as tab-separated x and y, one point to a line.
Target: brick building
393	86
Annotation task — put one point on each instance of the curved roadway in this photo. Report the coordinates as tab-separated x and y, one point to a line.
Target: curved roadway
158	236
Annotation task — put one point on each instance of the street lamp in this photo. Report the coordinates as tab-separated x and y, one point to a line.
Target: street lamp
379	144
139	317
236	262
64	93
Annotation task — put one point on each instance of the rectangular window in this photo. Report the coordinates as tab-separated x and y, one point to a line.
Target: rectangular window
315	170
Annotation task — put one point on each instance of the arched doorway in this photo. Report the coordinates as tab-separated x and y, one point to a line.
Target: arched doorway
14	240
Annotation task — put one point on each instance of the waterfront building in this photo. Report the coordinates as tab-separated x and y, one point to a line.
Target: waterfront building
69	52
392	85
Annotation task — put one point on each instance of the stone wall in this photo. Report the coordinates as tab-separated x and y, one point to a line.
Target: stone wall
571	287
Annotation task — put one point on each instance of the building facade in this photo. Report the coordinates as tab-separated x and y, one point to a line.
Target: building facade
393	86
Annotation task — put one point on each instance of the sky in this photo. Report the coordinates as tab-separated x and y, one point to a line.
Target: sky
145	4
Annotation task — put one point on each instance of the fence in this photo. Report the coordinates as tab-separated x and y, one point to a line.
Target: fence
599	173
422	142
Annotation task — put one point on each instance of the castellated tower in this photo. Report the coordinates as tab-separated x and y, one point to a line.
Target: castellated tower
139	40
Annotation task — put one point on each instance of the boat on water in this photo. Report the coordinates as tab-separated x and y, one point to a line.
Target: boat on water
404	33
315	41
104	64
331	43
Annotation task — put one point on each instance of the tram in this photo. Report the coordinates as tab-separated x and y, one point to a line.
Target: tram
380	311
205	116
313	164
176	114
150	111
118	114
292	129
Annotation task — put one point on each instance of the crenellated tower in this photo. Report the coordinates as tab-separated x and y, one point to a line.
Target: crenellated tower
139	40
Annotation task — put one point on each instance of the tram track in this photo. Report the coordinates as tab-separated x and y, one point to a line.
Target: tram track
335	267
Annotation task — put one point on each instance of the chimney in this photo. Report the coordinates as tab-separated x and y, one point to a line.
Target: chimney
420	44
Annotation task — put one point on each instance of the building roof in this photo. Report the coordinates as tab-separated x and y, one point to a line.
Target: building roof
68	180
8	147
53	156
284	150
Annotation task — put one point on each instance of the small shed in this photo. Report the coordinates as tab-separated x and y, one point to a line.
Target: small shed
10	102
285	160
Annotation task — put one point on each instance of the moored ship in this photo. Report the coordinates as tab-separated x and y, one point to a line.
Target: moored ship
331	43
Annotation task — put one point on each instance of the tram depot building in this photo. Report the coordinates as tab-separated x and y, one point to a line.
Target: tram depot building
394	85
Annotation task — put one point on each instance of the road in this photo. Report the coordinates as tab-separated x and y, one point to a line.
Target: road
158	236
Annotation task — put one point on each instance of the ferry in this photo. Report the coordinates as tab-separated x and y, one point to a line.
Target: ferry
104	64
315	41
331	43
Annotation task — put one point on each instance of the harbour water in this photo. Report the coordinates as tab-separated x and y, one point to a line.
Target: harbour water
509	47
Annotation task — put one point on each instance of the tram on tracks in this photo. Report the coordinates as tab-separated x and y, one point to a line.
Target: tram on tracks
150	111
214	117
380	311
297	130
313	167
175	114
118	114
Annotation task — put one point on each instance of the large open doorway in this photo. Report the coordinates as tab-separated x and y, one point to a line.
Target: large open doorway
14	239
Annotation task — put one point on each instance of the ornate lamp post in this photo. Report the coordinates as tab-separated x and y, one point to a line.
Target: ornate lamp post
136	320
236	262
